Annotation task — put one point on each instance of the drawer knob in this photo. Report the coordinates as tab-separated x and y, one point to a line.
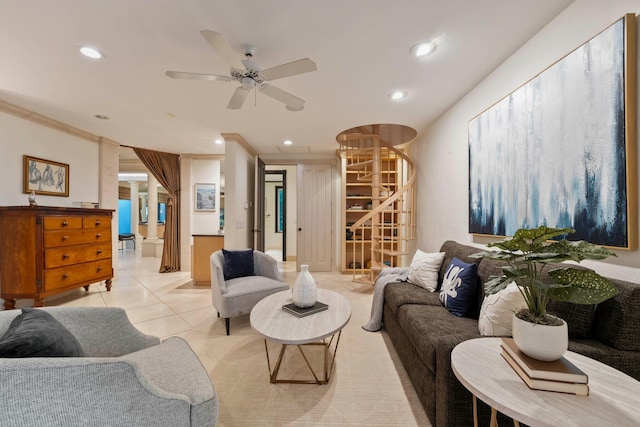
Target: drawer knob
98	222
65	223
99	251
65	256
65	276
98	235
99	268
65	237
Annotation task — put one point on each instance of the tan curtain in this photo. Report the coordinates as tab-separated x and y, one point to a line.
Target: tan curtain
166	168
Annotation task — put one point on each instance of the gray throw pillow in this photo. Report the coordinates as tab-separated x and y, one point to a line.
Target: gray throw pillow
35	333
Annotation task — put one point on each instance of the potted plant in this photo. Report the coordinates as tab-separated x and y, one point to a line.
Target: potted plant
531	258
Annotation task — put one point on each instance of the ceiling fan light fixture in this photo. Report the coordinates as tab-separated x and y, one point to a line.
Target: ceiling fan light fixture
90	52
397	95
248	83
423	49
294	108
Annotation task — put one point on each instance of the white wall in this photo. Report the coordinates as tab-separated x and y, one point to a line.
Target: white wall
442	151
19	137
292	211
239	190
205	172
272	240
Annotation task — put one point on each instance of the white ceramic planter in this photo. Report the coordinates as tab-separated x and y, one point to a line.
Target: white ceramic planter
542	342
305	292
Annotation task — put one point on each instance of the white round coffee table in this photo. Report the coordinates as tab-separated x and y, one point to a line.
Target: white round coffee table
612	399
323	328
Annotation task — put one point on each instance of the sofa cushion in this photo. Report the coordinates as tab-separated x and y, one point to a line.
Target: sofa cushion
617	320
427	325
459	288
424	268
496	313
399	294
36	333
237	264
579	317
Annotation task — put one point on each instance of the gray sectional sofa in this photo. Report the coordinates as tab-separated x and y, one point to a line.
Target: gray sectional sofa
424	333
124	378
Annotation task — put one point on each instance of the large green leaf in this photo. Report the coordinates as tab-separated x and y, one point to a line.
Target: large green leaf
530	240
583	286
504	256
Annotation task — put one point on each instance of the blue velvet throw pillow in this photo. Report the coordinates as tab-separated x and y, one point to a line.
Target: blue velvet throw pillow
459	287
36	333
237	264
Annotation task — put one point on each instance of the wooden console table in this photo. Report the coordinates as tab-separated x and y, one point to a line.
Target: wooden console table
203	246
47	250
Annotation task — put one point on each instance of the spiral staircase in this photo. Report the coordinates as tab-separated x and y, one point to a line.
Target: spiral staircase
383	234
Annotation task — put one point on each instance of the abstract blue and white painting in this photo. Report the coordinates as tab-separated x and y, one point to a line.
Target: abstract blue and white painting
553	151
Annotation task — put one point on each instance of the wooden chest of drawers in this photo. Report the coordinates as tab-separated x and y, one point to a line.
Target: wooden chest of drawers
48	250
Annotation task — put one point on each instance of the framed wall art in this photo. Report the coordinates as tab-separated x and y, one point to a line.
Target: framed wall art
205	197
561	149
279	209
45	177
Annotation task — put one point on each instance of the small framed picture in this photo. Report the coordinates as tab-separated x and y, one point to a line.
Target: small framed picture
205	200
45	177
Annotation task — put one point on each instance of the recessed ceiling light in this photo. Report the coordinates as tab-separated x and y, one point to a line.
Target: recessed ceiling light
423	49
398	94
101	117
90	52
219	141
288	142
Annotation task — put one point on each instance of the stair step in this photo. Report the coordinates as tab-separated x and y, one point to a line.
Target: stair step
363	279
359	165
391	252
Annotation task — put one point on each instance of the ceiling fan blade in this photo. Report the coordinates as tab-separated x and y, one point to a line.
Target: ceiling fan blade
223	48
197	76
282	96
236	101
290	69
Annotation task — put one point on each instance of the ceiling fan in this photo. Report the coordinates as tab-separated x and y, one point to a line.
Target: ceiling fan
250	74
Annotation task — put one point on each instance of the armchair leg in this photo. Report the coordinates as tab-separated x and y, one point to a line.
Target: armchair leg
226	323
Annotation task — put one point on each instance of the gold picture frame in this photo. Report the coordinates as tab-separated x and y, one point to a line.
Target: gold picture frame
45	177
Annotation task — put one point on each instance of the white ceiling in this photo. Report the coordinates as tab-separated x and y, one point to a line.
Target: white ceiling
361	48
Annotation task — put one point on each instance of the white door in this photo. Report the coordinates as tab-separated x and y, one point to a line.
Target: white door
315	198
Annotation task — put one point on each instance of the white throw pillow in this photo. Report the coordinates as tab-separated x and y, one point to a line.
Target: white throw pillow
497	311
424	268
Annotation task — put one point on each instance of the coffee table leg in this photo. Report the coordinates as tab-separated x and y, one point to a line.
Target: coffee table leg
329	361
494	417
475	411
309	366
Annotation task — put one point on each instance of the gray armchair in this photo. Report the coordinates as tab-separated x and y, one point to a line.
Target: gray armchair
128	378
237	296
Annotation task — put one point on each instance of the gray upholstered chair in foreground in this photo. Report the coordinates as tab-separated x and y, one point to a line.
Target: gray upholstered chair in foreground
126	378
236	296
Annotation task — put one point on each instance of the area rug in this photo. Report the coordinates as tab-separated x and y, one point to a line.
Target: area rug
368	385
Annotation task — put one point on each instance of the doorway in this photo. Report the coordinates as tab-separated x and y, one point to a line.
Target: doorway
275	213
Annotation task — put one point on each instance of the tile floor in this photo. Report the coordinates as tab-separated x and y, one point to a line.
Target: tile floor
157	304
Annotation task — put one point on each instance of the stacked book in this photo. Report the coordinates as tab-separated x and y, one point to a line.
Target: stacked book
559	375
302	312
